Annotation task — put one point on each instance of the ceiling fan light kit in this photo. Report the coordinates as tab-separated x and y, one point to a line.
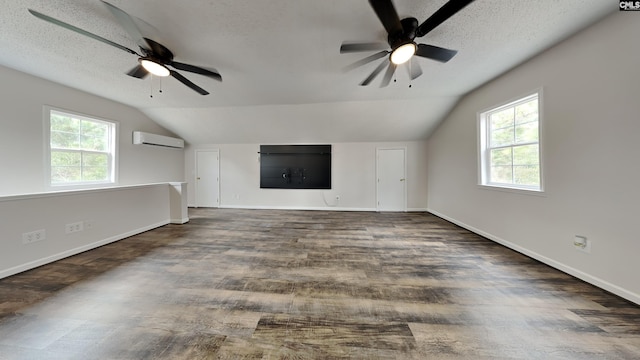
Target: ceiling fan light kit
154	67
403	53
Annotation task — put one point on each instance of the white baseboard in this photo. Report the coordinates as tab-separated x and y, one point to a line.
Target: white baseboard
258	207
593	280
328	208
180	221
49	259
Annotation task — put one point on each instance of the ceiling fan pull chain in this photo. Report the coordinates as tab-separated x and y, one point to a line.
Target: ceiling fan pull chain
151	88
160	91
395	77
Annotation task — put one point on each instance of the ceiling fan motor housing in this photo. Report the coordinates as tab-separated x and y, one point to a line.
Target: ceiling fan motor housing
409	26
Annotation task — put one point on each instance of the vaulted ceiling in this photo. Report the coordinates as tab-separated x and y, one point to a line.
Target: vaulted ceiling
283	75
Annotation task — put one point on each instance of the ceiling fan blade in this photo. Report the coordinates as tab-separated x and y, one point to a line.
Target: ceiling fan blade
80	31
359	47
186	81
374	73
435	53
366	60
159	51
127	23
138	72
446	11
414	68
388	74
146	28
196	69
388	15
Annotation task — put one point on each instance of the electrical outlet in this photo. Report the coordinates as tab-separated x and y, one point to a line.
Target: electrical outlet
74	227
88	225
33	236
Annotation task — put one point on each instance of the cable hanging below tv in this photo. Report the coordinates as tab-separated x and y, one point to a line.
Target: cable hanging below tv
295	166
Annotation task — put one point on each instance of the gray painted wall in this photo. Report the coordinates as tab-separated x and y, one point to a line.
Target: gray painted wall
590	145
353	178
22	144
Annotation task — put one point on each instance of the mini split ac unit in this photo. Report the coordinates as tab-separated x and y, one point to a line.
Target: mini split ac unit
140	138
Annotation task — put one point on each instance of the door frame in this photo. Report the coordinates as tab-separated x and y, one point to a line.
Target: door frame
195	175
378	150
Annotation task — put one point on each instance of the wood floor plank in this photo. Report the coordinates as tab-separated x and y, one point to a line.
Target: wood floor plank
276	284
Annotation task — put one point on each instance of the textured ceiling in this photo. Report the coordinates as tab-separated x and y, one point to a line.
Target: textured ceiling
283	78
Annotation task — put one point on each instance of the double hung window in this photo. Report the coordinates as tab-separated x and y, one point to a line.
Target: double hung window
81	149
510	145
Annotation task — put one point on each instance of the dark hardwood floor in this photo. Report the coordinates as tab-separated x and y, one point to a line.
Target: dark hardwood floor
263	284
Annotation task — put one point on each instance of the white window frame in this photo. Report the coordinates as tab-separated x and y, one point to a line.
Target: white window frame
113	158
483	146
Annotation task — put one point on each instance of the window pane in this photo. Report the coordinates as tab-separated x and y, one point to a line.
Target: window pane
527	132
502	137
501	119
64	140
95	129
94	173
526	175
95	160
64	123
527	112
525	155
65	158
501	174
65	174
93	143
501	157
94	136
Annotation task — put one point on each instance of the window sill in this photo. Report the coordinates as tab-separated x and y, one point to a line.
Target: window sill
513	190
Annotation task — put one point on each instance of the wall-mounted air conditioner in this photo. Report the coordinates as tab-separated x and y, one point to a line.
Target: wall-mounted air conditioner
140	138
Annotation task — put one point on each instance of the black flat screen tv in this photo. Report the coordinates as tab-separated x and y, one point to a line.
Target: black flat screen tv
295	166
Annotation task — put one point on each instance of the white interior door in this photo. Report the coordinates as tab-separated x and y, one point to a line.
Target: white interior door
207	178
392	184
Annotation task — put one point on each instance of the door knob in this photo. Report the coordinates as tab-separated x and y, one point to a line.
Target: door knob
401	179
198	178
